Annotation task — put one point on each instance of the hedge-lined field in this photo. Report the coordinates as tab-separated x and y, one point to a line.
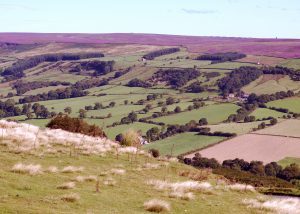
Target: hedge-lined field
183	143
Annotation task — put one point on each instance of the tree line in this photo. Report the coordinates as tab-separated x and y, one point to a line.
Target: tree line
244	75
256	168
16	71
294	74
9	108
153	54
138	83
76	90
99	67
238	78
22	87
176	78
221	57
264	98
54	95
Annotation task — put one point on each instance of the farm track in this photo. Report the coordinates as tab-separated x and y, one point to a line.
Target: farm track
276	135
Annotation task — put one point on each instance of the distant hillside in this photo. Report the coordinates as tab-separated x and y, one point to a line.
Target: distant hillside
286	48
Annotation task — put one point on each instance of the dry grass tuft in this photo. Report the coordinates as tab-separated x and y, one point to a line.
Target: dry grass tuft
52	169
130	138
103	173
118	171
110	182
68	185
199	175
30	169
279	205
156	205
72	197
182	195
25	138
185	186
71	169
90	178
241	187
151	166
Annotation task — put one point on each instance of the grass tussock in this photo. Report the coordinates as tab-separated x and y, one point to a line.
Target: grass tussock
67	185
130	138
109	182
156	205
151	166
182	195
72	197
185	186
71	169
52	169
241	187
118	171
278	205
31	169
199	175
24	138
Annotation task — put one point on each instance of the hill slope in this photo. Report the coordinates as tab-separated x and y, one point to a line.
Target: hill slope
286	48
86	175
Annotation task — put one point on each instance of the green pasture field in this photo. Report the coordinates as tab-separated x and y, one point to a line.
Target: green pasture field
124	61
141	72
120	89
37	122
238	128
80	102
293	104
214	114
227	65
55	75
182	143
261	113
265	60
44	90
271	86
291	63
289	160
177	63
5	90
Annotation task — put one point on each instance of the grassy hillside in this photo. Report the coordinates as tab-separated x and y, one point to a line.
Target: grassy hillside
289	160
269	84
52	177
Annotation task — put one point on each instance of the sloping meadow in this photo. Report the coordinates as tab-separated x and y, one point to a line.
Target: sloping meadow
55	171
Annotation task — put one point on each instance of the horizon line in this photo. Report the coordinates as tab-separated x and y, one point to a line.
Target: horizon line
161	34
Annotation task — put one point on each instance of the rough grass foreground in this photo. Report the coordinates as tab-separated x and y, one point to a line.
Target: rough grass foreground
113	183
21	138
